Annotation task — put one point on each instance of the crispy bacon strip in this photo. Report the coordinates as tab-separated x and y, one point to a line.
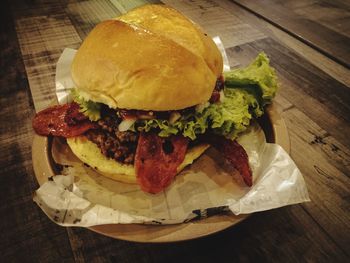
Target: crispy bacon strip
62	120
157	159
235	154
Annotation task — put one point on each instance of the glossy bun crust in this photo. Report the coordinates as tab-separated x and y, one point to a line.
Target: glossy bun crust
152	58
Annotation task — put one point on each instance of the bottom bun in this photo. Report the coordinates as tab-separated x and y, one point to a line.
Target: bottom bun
89	153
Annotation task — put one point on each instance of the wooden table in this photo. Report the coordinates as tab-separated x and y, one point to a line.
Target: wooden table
309	45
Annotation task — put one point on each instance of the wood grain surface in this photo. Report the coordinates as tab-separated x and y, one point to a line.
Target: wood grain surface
308	43
322	24
26	234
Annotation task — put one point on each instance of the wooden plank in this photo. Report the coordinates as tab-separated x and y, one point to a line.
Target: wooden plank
331	43
319	139
92	247
218	22
23	8
331	14
326	173
84	15
283	235
315	93
27	235
289	236
42	40
327	65
125	5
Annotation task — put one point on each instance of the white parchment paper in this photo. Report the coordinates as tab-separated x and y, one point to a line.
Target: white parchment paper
82	197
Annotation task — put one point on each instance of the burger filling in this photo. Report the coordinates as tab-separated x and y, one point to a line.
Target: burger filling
120	143
120	146
144	138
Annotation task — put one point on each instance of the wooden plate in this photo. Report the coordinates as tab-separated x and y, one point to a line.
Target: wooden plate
275	131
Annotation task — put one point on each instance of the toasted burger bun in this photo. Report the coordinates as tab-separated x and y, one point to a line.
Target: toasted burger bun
171	24
90	154
152	58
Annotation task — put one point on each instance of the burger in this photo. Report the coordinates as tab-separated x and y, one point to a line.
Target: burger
150	97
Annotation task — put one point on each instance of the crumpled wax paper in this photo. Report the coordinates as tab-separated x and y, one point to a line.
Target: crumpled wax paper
82	197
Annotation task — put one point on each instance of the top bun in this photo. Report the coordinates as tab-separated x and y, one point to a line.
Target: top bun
152	58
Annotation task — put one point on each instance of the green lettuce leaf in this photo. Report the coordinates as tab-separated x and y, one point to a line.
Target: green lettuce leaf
87	107
258	73
232	116
229	117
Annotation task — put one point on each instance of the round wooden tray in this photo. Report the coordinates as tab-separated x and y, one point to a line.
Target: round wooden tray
275	131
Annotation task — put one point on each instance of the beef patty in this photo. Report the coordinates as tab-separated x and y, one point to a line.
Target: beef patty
113	143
